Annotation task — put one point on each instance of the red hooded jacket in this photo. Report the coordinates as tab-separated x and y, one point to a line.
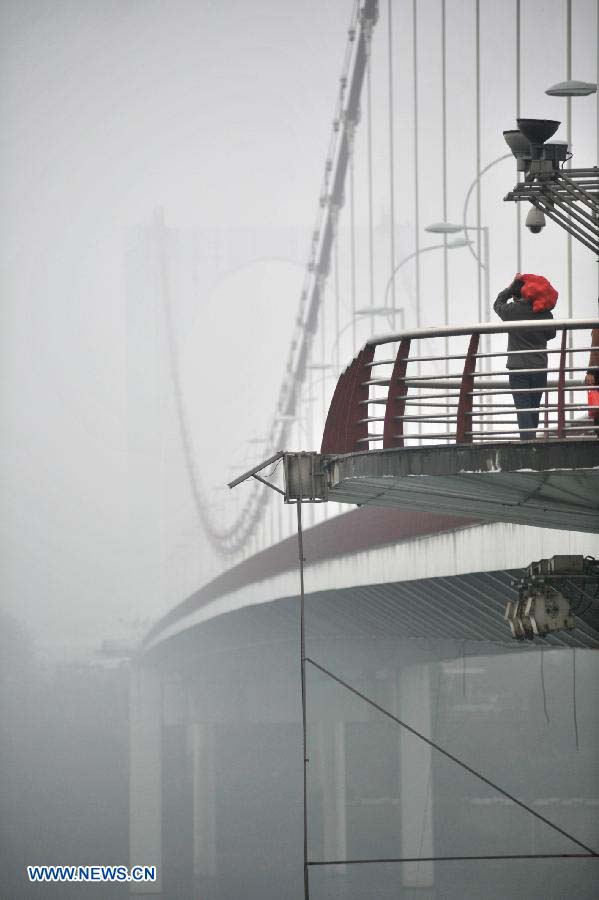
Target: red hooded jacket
539	291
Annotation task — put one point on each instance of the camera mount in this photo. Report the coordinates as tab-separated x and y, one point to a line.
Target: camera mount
550	594
570	197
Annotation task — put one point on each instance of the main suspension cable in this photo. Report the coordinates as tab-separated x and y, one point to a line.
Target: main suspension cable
231	540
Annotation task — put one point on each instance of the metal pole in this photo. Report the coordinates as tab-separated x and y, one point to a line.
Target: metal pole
469	194
444	164
487	363
391	154
569	166
416	172
352	228
416	181
369	164
337	296
300	547
518	94
478	198
487	273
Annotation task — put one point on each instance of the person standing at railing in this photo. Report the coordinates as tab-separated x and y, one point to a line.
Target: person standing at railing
528	297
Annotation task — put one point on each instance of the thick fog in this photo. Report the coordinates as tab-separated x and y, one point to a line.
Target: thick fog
160	172
219	114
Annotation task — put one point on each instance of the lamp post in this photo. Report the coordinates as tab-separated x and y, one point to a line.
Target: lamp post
452	228
449	228
387	310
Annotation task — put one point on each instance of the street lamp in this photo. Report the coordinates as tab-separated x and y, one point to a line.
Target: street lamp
385	309
572	89
452	228
452	245
471	188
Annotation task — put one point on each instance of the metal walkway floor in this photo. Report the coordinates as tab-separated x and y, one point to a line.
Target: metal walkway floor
554	484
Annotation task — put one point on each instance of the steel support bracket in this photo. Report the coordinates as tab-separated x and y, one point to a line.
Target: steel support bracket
305	478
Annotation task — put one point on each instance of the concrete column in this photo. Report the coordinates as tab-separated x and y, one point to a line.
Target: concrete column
145	781
415	774
204	800
332	773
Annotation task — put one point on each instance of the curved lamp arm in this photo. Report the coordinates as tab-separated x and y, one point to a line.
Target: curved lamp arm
469	194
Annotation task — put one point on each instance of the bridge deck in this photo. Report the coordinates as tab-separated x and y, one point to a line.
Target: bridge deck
553	484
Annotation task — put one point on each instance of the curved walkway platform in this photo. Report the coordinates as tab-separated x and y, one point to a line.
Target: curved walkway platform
552	484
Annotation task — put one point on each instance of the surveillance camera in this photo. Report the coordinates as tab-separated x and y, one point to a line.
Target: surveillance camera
535	220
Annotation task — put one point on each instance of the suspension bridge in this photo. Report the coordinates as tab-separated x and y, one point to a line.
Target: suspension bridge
394	381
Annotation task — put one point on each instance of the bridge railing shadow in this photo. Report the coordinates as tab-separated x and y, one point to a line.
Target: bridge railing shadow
450	385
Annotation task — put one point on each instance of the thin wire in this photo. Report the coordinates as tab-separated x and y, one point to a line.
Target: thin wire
449	755
574	697
352	216
323	351
274	468
430	768
415	859
478	162
444	164
370	185
569	136
300	547
518	96
337	295
543	684
391	153
416	182
569	165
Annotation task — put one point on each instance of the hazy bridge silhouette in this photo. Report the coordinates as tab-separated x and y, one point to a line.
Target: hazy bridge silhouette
398	599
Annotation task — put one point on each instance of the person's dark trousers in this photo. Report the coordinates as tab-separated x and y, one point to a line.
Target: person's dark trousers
528	390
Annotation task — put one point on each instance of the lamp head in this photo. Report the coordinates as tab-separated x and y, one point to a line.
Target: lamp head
520	147
572	89
528	143
537	131
444	228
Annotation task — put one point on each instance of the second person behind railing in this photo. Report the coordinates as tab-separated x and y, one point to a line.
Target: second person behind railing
528	297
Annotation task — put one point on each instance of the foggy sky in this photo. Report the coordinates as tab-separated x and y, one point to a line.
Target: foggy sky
220	113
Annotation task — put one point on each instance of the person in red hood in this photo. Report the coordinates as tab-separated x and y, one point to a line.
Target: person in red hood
528	297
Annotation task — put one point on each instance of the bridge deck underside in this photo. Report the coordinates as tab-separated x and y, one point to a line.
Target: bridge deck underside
550	486
433	612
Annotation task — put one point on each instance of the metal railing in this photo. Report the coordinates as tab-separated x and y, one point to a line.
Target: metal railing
460	394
